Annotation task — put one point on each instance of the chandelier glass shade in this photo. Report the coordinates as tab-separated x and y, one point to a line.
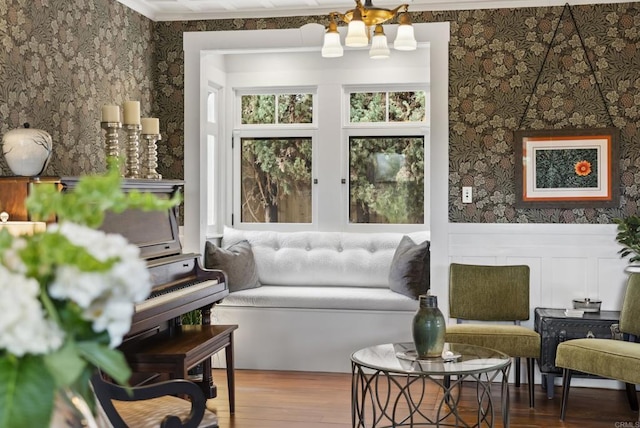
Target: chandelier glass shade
364	26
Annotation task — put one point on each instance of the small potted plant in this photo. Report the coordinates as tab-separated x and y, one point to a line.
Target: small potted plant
629	238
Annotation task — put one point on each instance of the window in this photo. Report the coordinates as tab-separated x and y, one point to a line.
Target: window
276	157
401	106
276	180
386	156
277	108
386	180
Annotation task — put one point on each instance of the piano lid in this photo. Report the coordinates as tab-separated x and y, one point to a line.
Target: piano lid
154	232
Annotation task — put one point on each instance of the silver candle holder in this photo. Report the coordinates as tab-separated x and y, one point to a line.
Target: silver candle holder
132	164
112	143
151	157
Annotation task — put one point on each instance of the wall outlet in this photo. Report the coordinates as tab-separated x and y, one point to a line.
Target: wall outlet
467	195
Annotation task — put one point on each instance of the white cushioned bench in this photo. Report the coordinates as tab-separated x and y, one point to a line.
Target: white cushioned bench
321	296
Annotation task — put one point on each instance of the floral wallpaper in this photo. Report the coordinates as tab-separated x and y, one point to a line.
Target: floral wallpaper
62	62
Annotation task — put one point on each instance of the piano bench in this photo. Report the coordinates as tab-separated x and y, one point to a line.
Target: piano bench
188	346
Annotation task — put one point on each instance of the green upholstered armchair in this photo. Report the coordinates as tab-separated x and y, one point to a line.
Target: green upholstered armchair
494	293
609	358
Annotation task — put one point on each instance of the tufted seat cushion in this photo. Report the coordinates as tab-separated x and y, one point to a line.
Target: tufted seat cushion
612	359
513	340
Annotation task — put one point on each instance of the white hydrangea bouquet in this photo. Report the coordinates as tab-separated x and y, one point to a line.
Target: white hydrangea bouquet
67	296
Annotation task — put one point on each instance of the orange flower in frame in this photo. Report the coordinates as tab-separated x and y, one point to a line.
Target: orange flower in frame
583	168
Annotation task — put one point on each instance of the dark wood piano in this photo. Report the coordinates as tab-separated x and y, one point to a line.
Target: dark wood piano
179	283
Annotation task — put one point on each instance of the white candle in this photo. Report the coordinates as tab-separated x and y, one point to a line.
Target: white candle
132	112
150	125
110	113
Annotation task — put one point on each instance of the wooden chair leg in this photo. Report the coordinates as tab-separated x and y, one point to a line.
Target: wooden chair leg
566	384
517	374
632	396
231	382
530	379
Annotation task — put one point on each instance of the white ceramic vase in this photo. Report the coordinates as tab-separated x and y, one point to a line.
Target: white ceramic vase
27	150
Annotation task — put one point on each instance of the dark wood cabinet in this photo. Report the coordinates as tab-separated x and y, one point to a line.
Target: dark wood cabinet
555	327
14	192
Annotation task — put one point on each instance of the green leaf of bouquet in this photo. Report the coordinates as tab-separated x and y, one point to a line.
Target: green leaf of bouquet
110	361
26	393
65	364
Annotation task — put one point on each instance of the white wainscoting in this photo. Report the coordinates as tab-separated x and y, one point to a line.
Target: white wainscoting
566	261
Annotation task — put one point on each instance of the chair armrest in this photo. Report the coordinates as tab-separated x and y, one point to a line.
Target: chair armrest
106	391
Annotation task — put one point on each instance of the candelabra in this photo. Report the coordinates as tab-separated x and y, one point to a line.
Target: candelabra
112	144
132	167
151	158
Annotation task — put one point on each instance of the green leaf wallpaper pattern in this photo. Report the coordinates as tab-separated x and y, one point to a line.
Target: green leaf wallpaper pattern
62	60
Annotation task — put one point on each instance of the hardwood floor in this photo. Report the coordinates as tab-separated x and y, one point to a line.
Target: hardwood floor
273	399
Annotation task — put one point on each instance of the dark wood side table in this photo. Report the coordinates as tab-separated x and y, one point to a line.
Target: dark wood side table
555	327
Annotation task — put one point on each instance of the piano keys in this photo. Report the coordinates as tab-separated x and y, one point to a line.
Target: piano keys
179	285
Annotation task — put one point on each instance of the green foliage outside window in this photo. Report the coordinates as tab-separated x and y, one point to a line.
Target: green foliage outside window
276	180
406	106
291	108
258	109
295	108
386	177
368	107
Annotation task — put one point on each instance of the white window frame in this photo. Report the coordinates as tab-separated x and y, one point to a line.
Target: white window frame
213	196
295	132
386	129
286	130
276	90
349	89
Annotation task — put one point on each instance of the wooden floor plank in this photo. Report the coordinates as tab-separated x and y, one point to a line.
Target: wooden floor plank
276	399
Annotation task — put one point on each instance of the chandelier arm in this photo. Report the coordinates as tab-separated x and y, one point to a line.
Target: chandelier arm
338	16
397	9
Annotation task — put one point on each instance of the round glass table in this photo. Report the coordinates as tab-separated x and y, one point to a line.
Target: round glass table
391	387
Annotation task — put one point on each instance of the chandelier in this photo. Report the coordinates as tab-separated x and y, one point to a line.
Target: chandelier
361	21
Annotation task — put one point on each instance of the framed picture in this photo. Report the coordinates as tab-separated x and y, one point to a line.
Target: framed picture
567	168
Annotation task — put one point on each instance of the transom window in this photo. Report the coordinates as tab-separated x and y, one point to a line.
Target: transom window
381	107
274	109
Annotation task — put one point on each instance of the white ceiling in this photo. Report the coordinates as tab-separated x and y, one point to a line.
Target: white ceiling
172	10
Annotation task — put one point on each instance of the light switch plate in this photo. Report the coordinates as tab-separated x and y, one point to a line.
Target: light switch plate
467	195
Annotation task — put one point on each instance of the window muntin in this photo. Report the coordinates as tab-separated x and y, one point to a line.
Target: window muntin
386	179
387	107
275	109
276	180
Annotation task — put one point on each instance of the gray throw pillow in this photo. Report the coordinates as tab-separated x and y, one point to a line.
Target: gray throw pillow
236	261
409	274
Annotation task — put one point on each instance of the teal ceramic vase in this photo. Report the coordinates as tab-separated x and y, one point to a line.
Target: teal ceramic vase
428	328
